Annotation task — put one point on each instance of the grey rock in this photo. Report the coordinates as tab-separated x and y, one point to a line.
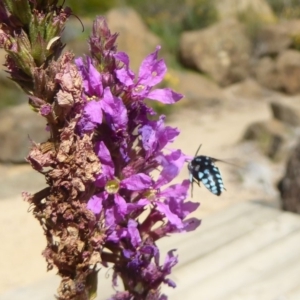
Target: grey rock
272	39
258	176
289	185
233	8
198	90
248	89
288	113
288	67
222	51
269	135
266	74
281	73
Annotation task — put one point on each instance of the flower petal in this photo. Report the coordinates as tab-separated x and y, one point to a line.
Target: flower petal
190	224
115	111
155	135
166	96
137	206
125	75
91	117
172	218
175	196
134	233
137	182
95	203
149	140
172	164
152	70
120	205
92	80
107	165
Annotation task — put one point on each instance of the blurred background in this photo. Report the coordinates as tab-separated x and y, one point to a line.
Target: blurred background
238	64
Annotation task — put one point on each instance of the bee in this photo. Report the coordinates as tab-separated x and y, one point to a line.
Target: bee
202	168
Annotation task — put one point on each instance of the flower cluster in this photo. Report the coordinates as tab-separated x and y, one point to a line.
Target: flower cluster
135	209
106	163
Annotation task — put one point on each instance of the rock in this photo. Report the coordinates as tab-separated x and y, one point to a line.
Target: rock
258	176
287	112
134	37
281	74
18	125
266	73
222	51
197	89
234	8
248	89
274	38
289	185
288	67
270	137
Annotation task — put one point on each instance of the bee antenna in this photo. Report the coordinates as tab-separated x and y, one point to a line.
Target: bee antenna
79	21
198	149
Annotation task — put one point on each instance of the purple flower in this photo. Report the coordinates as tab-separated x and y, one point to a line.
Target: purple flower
155	135
172	164
110	107
133	207
92	80
145	271
116	209
45	109
151	72
172	208
175	196
91	117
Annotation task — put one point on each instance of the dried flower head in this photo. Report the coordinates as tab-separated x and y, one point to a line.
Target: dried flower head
106	163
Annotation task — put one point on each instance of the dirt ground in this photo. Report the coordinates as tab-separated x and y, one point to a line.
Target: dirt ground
218	129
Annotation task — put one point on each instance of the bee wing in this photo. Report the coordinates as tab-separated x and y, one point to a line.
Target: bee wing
225	162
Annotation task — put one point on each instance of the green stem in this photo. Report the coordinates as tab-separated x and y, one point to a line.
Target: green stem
90	292
92	282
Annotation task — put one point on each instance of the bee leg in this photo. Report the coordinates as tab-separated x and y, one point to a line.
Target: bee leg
192	183
198	182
